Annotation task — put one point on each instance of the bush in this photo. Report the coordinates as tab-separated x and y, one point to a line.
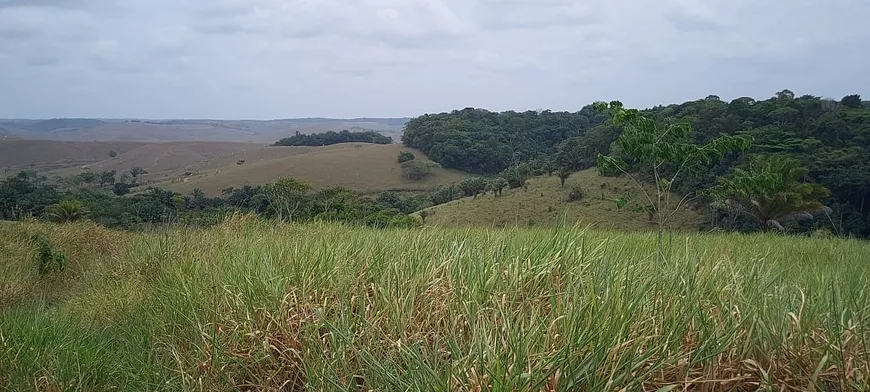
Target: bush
405	156
576	193
418	170
66	211
48	260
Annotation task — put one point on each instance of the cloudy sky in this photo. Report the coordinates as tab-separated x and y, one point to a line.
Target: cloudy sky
352	58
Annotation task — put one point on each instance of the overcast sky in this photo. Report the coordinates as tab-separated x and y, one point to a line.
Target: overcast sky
352	58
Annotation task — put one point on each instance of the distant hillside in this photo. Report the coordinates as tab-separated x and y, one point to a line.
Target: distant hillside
62	124
190	130
359	166
44	155
545	203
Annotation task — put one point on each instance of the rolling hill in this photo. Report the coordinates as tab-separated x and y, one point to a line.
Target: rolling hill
358	166
46	155
189	130
545	203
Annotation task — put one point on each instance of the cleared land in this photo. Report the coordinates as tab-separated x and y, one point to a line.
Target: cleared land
359	166
213	166
254	305
545	203
44	155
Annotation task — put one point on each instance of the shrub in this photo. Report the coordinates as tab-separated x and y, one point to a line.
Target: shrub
575	193
418	170
48	260
66	211
405	156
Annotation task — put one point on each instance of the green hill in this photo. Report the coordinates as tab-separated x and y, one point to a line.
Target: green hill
545	203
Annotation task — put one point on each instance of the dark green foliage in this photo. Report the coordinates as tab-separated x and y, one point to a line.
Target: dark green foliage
29	195
112	154
473	186
121	188
769	190
444	195
480	141
26	194
497	185
418	170
48	260
851	101
563	173
830	139
405	156
332	137
106	178
66	211
517	175
575	193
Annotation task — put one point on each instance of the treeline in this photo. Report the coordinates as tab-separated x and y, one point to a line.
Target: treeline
830	138
484	142
29	194
332	137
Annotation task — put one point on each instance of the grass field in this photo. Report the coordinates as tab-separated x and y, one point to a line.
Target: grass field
545	203
254	305
363	167
213	166
44	155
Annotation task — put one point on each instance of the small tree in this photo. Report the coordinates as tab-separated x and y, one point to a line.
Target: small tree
517	175
665	151
287	197
473	186
497	185
121	188
112	154
67	211
107	178
418	170
563	173
423	215
851	101
769	190
405	156
136	173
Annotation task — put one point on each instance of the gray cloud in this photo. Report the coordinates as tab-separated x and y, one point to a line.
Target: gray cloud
350	58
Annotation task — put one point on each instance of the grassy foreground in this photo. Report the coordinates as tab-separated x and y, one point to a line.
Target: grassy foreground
254	305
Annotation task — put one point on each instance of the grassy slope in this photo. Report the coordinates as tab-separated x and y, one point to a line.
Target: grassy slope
212	166
530	208
359	166
257	305
19	154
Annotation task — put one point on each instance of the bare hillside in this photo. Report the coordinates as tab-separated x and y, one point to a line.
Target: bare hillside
44	155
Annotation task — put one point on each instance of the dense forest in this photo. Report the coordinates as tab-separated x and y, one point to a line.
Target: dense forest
831	139
332	137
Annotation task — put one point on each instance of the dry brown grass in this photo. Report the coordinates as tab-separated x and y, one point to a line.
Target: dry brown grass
359	166
46	155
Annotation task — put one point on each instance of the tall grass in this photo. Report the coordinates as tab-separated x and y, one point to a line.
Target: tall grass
258	306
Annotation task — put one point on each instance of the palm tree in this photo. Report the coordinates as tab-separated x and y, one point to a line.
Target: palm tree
770	191
67	211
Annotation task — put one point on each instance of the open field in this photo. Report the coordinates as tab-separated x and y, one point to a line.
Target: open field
45	155
359	166
213	166
546	204
254	305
